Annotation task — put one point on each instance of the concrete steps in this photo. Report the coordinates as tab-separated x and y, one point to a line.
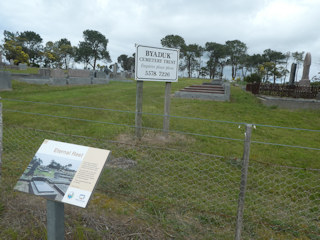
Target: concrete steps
215	89
206	91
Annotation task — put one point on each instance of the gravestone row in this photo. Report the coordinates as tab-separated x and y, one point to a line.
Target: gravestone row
65	77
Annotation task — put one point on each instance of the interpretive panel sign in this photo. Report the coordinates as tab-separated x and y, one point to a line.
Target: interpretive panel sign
63	172
156	64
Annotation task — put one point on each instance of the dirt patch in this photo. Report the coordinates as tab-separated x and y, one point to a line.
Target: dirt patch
157	139
24	217
121	162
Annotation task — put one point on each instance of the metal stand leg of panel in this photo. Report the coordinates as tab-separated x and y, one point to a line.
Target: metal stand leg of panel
55	220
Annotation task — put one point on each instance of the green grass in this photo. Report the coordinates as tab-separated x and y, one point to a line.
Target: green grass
181	192
29	70
243	108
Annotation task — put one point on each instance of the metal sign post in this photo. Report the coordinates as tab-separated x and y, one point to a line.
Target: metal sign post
55	220
243	183
83	167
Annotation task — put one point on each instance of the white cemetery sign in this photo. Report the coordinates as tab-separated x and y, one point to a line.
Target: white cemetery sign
156	64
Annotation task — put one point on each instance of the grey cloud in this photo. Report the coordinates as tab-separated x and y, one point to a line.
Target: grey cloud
126	22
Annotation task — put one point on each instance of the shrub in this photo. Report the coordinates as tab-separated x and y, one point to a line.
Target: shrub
253	78
316	83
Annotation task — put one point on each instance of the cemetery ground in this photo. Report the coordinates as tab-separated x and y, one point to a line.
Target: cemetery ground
144	201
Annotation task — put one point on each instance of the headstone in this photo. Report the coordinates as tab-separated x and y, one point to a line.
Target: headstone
101	74
23	66
115	69
11	62
79	73
58	73
107	71
45	72
292	73
5	80
306	69
217	82
128	74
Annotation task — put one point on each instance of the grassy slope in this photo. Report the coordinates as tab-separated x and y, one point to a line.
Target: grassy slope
183	168
243	107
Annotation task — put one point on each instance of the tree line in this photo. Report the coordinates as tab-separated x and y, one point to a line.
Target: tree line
260	67
199	61
27	47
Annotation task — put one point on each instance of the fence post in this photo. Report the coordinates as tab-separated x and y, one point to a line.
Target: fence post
138	118
55	220
1	137
243	183
166	117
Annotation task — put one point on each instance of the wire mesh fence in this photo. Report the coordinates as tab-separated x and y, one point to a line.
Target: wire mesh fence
188	188
282	200
167	179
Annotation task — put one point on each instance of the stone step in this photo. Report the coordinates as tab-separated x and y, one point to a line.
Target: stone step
205	88
202	91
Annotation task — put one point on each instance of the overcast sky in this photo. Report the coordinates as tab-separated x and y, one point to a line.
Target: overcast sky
282	25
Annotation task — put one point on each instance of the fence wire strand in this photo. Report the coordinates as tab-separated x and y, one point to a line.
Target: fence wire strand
156	114
157	129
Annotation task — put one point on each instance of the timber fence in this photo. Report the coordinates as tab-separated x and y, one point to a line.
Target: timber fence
284	90
220	196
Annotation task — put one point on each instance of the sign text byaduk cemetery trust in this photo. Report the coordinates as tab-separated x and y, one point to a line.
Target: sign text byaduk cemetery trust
156	64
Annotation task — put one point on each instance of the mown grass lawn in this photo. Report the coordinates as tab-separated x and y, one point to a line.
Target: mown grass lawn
183	189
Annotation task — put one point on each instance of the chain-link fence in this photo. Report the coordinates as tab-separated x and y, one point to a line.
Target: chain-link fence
282	202
191	189
203	186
